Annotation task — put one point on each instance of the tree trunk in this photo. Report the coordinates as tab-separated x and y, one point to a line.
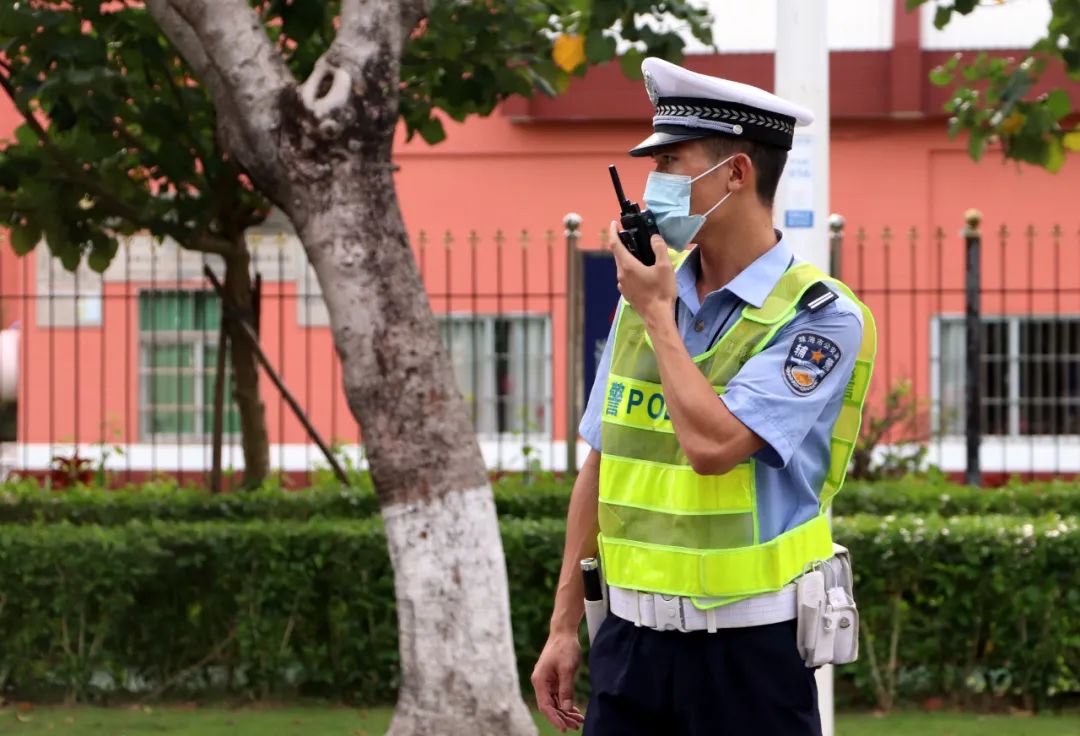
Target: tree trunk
457	657
245	369
321	150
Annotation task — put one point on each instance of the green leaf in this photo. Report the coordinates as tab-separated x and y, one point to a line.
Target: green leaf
940	76
432	131
544	85
976	144
942	15
1071	140
910	5
631	63
101	254
598	47
1055	155
26	137
24	239
1057	102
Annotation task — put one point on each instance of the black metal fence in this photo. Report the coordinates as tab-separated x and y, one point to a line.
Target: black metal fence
119	367
978	369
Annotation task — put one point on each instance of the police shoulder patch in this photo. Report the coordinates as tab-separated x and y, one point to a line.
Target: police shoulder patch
810	358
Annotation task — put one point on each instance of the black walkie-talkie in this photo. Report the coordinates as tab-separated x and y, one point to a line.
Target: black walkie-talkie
638	226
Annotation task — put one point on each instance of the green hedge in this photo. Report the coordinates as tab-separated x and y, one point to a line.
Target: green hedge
26	502
515	496
276	608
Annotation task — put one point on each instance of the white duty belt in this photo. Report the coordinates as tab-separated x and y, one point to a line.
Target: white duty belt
676	613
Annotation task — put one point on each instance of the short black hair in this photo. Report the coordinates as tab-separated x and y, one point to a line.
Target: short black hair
768	162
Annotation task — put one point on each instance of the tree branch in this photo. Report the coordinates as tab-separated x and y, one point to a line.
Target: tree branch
228	50
370	36
210	243
74	172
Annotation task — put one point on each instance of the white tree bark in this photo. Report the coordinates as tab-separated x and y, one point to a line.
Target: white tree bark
456	688
322	151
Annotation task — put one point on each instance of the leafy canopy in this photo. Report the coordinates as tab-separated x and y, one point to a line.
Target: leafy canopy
118	136
991	100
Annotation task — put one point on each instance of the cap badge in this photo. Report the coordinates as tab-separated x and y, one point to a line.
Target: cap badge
650	88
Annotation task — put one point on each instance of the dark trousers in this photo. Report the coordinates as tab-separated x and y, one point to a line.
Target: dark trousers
734	681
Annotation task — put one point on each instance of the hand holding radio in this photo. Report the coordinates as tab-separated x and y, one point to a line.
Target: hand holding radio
638	226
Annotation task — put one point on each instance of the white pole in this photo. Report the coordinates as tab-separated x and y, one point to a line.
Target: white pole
802	202
802	76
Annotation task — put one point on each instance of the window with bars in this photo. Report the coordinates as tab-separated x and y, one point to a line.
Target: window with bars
178	343
1030	376
502	365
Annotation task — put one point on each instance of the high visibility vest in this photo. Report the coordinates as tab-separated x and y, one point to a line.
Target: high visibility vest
664	528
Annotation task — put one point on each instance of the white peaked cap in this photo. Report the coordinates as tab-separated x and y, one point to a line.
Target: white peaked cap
690	105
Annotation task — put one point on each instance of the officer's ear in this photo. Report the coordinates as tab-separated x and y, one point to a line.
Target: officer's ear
742	172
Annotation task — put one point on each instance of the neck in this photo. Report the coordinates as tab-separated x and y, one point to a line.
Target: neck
725	254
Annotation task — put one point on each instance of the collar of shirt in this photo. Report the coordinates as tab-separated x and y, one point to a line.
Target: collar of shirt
752	285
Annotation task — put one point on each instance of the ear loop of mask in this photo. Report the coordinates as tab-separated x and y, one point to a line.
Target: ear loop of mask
714	168
722	199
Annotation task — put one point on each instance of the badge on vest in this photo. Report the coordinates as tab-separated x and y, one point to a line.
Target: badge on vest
810	359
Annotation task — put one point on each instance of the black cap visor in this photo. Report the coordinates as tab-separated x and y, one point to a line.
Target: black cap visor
672	134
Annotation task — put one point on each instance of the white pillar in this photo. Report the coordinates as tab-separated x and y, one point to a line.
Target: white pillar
802	76
802	201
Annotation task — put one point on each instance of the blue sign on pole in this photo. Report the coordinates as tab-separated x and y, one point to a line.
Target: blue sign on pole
600	300
798	218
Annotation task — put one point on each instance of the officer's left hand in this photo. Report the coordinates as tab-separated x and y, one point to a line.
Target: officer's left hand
651	290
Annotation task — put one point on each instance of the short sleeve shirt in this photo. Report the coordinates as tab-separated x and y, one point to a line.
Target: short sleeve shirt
789	394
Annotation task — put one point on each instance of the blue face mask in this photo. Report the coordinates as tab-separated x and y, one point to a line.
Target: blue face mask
668	197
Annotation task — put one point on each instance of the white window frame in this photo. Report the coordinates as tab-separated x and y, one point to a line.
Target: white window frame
197	339
1014	400
486	350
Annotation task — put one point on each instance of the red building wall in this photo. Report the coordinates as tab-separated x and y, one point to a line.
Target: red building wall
528	165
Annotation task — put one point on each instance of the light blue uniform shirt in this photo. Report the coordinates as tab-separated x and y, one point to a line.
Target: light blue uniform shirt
796	425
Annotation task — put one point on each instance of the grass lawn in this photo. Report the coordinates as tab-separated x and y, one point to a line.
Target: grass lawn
313	720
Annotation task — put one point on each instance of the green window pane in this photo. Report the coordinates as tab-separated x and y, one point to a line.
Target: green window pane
165	355
178	310
170	422
178	378
171	388
230	422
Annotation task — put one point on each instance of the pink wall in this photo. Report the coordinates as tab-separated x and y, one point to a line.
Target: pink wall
492	174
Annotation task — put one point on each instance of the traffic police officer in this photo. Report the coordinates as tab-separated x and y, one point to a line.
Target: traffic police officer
722	419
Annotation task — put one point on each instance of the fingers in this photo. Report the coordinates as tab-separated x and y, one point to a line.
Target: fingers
613	235
567	708
659	248
546	688
566	688
622	255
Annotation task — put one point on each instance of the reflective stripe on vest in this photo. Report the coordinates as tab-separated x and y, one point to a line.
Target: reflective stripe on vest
666	529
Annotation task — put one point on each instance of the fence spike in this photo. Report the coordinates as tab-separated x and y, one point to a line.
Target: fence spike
549	237
421	238
474	238
523	238
500	238
448	239
860	236
1056	233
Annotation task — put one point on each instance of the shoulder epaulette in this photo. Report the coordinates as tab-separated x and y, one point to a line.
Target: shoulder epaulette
818	296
